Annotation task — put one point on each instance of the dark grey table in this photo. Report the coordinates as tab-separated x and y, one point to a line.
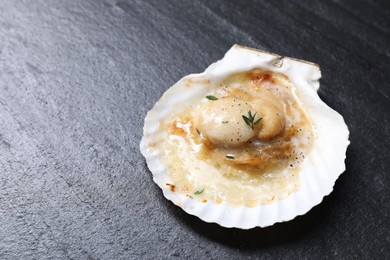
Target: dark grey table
78	77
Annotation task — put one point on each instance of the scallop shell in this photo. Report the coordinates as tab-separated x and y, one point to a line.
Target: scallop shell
318	172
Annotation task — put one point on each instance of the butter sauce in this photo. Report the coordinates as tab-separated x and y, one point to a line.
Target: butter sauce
209	145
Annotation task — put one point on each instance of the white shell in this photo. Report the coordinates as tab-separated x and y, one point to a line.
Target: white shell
319	171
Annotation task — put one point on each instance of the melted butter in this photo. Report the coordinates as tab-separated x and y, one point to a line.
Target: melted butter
256	172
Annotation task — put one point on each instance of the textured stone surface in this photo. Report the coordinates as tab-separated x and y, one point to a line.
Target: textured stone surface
78	77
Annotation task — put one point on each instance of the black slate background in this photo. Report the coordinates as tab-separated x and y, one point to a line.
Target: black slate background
78	77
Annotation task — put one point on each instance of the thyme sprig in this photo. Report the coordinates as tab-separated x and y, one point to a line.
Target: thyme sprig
213	98
198	192
250	119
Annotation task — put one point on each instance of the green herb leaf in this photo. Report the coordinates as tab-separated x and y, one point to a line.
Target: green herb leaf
250	119
211	98
225	122
198	192
247	121
257	121
230	156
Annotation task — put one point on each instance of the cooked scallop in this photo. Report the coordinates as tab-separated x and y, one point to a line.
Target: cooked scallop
246	143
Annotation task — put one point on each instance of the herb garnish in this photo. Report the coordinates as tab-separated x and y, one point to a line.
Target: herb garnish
198	192
250	119
211	98
230	156
225	122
